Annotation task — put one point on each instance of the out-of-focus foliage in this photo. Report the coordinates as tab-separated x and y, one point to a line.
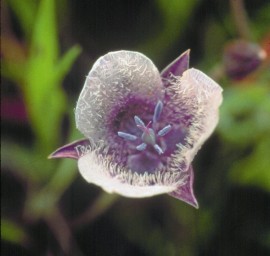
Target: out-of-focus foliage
47	209
12	232
42	71
245	124
174	18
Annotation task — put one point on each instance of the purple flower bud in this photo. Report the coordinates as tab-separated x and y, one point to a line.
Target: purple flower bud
241	58
123	92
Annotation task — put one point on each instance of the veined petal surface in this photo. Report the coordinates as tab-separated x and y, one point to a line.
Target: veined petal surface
194	101
116	78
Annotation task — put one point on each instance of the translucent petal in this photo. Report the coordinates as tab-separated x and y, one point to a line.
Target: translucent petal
194	101
100	171
114	79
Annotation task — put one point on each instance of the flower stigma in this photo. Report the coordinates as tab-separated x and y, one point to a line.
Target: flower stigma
149	132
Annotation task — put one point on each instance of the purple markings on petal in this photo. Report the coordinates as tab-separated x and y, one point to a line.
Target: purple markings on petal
165	130
73	150
144	162
185	192
127	136
177	67
158	110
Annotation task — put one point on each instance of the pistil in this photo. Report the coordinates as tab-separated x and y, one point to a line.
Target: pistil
149	135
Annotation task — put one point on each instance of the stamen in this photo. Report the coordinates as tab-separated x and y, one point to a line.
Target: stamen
139	121
158	110
158	149
164	130
148	136
127	136
141	147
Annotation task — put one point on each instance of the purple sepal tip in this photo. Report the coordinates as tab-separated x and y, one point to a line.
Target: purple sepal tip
185	192
177	67
70	150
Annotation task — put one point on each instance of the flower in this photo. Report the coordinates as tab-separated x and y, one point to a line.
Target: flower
241	58
143	128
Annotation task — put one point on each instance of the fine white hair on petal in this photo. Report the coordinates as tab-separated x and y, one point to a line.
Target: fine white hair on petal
115	78
195	97
112	178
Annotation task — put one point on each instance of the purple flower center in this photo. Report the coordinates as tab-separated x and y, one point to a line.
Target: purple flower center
149	135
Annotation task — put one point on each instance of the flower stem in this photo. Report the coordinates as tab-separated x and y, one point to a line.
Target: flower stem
62	232
103	202
240	17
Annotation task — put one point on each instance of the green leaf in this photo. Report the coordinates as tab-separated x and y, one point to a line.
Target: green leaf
40	87
254	169
29	166
44	97
66	62
42	202
12	232
260	23
44	42
25	11
244	115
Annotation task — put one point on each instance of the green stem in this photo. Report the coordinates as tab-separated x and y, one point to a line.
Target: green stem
103	202
240	18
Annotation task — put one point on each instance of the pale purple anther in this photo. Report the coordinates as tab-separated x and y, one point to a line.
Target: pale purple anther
158	149
139	121
141	147
127	136
158	110
164	130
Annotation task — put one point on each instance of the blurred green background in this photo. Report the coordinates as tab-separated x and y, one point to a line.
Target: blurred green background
47	49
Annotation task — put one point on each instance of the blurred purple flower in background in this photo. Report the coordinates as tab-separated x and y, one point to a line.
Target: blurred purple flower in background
241	58
143	128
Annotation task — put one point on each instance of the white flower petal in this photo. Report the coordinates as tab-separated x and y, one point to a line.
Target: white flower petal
195	98
97	170
114	79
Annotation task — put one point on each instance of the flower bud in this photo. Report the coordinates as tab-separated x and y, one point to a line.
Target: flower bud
241	58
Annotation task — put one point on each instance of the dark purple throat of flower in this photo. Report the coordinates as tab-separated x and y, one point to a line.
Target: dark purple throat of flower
150	134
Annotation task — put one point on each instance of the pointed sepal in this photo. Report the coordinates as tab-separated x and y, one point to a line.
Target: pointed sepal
177	67
185	192
72	150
